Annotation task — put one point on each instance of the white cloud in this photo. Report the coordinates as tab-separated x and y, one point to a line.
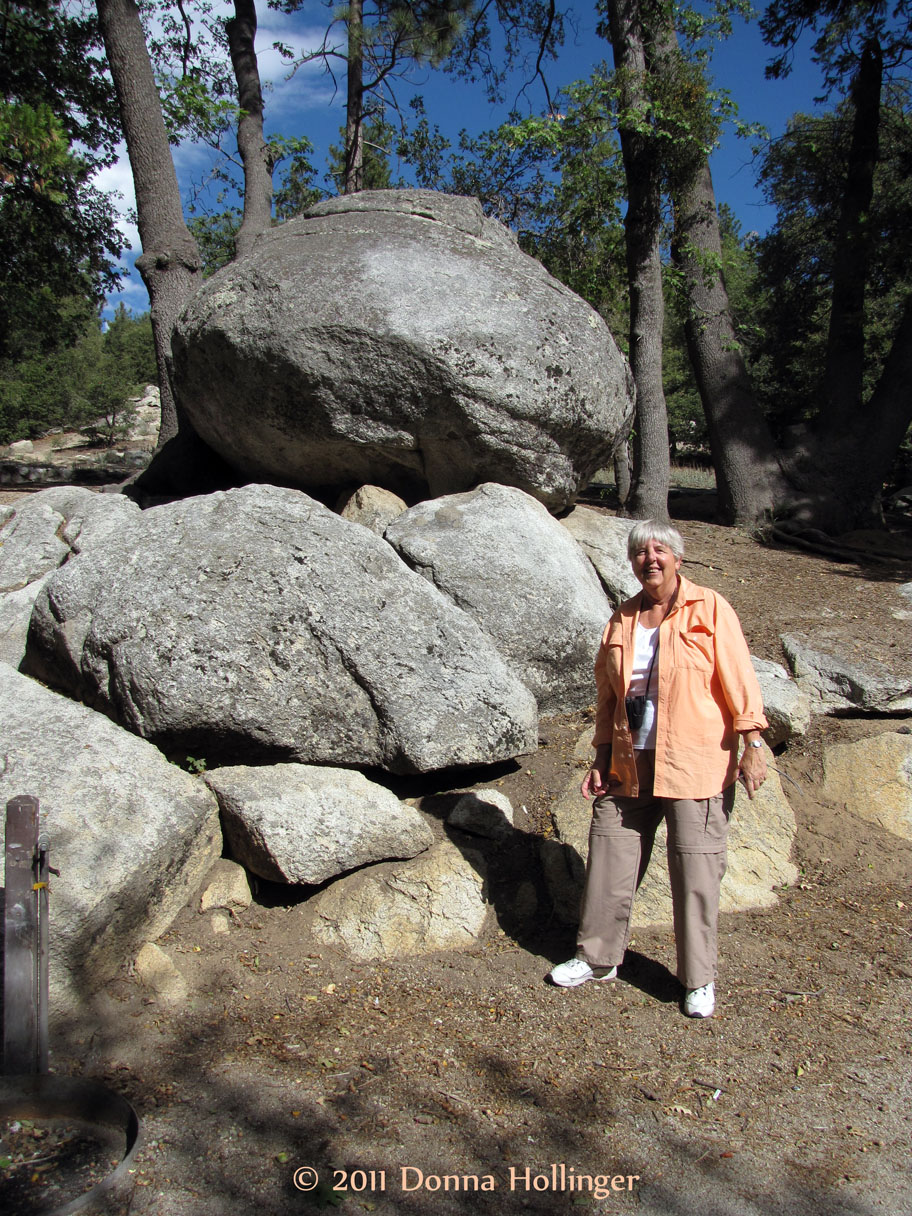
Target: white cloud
305	102
119	179
310	87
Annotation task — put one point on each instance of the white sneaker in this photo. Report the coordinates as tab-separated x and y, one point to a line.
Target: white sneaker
700	1002
577	971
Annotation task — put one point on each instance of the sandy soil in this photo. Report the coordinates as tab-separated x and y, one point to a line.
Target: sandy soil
406	1086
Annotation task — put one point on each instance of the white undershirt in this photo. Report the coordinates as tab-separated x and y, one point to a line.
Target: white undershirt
645	643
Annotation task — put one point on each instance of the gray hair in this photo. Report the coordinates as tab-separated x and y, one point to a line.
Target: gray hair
653	529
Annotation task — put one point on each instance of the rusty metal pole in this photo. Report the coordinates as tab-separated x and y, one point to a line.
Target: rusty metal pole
20	971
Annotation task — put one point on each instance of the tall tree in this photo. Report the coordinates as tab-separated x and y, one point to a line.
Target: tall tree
749	480
804	175
378	42
170	262
256	154
837	468
640	31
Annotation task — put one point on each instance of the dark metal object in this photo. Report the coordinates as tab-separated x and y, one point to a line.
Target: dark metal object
21	988
43	869
47	1097
32	1093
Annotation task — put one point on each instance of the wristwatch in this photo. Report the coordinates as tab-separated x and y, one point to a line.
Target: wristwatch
755	743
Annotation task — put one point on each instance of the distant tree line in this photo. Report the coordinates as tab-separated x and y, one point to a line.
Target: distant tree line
789	355
76	384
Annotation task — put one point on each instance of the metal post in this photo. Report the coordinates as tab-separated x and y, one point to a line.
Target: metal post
42	870
20	969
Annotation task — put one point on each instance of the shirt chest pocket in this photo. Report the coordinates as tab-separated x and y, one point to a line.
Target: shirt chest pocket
695	648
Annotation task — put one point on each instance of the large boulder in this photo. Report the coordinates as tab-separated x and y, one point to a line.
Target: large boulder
39	533
834	680
499	555
132	835
305	823
400	338
872	778
257	625
42	530
15	613
603	538
786	705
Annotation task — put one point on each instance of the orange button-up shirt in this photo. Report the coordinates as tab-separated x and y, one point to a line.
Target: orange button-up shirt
708	692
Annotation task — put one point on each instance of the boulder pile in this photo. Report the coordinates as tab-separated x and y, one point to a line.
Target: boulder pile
278	648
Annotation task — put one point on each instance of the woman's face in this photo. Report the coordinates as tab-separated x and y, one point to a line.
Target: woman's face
657	568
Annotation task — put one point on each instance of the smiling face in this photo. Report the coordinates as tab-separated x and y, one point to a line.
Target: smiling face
657	568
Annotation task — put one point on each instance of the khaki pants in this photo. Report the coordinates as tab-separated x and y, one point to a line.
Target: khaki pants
620	845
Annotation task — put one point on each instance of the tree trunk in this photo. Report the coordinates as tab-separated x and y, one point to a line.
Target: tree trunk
353	180
170	261
622	472
842	470
241	31
749	481
844	374
642	231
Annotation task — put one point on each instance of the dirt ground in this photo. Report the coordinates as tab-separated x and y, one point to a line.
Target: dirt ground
464	1082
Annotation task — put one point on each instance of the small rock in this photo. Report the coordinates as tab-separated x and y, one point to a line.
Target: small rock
483	813
373	507
155	971
220	922
302	823
788	708
836	681
228	887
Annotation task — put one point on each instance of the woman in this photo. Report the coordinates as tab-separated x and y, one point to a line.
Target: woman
676	693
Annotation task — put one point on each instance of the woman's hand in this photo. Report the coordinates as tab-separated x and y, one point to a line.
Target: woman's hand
595	783
752	767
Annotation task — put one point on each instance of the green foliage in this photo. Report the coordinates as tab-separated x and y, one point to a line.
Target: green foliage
843	28
803	174
188	47
379	137
215	235
82	383
58	234
298	189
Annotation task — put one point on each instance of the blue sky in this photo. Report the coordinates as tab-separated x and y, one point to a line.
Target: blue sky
306	104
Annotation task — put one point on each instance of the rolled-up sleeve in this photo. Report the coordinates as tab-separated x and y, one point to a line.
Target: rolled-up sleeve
736	672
